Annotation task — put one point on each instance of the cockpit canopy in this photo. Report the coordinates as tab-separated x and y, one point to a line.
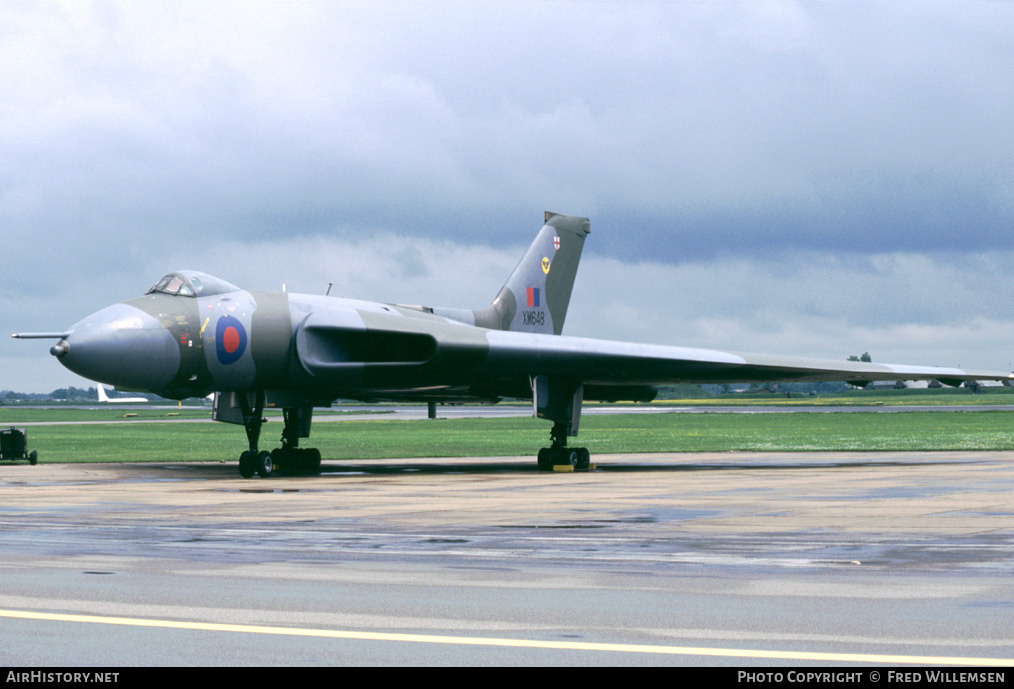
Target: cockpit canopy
190	283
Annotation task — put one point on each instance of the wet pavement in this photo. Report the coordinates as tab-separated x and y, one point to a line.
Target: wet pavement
839	553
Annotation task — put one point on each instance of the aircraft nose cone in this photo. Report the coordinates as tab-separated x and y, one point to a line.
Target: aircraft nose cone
121	346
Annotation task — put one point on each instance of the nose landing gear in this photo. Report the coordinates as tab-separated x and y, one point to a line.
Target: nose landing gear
289	459
260	463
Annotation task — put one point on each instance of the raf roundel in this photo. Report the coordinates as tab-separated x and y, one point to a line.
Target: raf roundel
230	340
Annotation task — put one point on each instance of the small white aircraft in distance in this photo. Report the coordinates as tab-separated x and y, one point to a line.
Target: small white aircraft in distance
103	397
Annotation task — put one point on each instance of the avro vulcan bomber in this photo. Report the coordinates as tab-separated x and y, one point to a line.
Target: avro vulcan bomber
193	334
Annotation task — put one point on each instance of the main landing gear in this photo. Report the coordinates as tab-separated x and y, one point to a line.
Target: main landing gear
560	455
252	461
559	400
289	459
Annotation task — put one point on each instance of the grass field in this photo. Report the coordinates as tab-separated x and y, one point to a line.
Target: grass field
908	397
16	415
141	441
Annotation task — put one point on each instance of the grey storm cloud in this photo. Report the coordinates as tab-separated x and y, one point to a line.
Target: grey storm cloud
738	126
715	139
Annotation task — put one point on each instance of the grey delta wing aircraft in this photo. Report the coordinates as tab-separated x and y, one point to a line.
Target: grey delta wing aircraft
193	334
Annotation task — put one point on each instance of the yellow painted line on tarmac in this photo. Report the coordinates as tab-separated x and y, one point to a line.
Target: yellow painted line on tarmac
510	643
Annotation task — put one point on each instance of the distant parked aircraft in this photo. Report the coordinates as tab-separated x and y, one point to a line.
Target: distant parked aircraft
103	397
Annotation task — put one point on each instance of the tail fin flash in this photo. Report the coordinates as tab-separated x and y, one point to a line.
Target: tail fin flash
536	295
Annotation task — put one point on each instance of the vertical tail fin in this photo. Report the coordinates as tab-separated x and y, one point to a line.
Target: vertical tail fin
536	295
103	397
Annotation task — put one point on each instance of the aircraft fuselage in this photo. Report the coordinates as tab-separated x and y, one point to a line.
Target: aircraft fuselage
310	347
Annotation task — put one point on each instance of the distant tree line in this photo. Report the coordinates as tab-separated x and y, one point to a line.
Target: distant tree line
70	393
688	391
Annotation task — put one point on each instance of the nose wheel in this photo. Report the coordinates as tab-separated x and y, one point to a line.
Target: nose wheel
260	463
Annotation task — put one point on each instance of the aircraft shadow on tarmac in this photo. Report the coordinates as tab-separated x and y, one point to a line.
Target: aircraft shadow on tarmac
398	467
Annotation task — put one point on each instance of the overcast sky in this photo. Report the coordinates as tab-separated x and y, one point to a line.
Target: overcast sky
798	178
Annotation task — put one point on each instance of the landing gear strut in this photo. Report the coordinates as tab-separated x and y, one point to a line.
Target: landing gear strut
560	455
252	461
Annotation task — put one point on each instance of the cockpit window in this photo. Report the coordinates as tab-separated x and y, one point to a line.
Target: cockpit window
158	286
190	283
173	283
